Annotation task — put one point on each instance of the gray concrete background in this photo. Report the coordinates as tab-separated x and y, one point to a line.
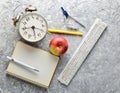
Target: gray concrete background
100	72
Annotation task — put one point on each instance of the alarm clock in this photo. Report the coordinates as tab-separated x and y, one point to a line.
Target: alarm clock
32	27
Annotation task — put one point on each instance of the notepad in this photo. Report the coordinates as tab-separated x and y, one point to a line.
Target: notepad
42	60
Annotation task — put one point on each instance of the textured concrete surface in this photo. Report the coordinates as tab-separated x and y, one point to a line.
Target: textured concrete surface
100	72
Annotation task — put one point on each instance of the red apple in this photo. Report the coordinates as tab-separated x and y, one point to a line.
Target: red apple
58	45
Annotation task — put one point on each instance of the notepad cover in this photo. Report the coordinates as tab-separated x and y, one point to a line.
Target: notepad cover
42	60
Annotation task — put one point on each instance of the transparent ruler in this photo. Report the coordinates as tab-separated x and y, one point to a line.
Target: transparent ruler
82	51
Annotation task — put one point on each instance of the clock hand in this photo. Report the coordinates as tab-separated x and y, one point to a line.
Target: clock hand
33	28
39	29
28	27
24	28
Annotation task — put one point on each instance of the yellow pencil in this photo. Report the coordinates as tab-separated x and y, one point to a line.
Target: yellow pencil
65	32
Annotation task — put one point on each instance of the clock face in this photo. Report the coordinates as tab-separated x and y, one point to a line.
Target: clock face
33	27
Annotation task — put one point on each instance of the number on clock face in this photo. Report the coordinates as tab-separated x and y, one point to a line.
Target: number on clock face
32	27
